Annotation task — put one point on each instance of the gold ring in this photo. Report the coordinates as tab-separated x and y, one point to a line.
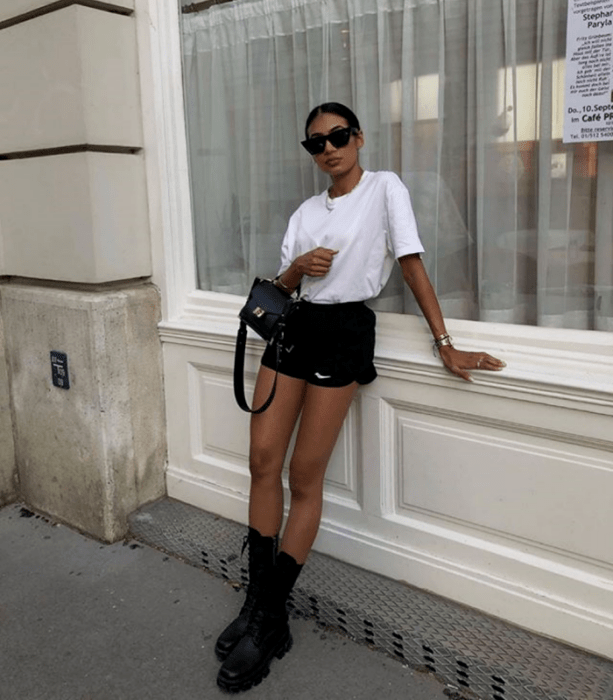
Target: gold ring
479	362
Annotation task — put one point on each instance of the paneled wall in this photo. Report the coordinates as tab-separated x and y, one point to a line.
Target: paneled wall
497	494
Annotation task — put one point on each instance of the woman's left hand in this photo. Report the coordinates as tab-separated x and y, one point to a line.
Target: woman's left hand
458	361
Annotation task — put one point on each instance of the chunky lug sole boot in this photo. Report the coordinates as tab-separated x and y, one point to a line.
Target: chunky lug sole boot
267	634
262	554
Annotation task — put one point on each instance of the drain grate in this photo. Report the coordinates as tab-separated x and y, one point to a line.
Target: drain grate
473	653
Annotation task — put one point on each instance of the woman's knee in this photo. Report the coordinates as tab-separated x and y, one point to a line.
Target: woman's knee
265	465
306	481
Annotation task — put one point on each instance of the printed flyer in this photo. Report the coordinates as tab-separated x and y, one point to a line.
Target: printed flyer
588	109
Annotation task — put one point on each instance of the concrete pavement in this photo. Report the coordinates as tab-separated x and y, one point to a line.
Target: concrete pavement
80	620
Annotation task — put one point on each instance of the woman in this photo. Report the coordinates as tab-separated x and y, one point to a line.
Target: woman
339	247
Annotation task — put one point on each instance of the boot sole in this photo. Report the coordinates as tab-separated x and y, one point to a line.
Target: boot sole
258	674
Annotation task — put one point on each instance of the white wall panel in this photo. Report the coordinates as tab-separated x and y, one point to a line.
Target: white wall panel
495	494
218	438
220	429
524	487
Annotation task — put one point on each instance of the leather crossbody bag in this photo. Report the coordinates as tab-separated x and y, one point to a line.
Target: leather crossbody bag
266	312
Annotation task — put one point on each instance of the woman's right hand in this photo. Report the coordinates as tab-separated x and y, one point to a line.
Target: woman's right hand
315	263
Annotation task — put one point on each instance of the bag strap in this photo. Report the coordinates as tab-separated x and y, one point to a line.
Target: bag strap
239	372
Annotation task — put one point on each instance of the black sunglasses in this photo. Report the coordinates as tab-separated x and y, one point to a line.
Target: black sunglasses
338	138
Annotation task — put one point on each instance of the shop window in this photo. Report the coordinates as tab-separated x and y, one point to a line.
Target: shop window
463	99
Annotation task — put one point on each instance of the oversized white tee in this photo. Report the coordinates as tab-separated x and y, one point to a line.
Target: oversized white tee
371	226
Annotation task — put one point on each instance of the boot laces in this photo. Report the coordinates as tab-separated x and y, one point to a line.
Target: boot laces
255	629
250	600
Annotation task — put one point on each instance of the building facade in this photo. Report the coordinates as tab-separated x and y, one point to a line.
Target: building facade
497	494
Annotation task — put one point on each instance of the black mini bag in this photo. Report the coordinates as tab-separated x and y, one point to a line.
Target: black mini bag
266	311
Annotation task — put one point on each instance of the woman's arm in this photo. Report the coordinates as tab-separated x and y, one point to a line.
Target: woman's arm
289	279
315	263
456	361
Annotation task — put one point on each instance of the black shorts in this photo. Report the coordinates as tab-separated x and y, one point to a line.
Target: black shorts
327	344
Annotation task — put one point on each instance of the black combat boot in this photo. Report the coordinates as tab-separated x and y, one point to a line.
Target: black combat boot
262	555
267	633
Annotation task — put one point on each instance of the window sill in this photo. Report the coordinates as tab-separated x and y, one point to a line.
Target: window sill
570	364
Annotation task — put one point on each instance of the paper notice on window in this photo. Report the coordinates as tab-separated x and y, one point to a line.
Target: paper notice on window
588	112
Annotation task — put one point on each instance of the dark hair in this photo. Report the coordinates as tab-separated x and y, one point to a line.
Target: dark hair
332	108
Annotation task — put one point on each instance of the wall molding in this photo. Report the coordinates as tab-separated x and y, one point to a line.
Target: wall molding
567	438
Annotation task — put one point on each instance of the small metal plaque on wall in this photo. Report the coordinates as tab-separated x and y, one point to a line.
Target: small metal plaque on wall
59	369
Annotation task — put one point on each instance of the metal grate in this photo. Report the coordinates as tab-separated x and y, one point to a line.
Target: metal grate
471	652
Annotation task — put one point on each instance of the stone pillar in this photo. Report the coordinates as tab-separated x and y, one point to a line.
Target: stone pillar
8	470
92	453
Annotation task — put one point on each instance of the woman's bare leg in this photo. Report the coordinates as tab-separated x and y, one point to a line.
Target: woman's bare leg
271	432
323	414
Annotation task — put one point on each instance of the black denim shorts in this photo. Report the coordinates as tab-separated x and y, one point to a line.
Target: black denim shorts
327	344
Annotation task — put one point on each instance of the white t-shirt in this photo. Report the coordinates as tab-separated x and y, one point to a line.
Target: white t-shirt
371	226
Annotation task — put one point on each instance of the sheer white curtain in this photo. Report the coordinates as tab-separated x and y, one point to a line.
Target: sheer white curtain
462	98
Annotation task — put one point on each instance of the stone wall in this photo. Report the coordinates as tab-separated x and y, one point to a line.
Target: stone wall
92	453
75	261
